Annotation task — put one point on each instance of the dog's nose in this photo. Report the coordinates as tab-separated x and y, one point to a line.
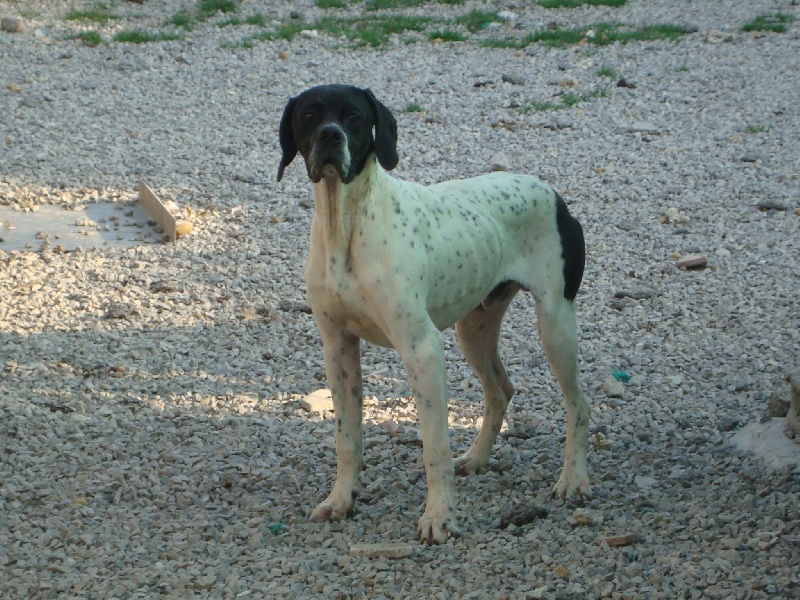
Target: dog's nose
331	134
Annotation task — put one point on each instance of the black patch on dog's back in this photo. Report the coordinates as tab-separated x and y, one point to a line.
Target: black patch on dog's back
573	249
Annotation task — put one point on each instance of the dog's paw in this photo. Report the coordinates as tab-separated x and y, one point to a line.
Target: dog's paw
435	527
469	463
332	510
572	484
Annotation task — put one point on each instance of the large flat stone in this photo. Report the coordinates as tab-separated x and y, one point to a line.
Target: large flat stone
768	441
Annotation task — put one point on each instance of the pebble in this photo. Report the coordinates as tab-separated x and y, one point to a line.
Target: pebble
613	388
692	261
319	401
13	25
381	550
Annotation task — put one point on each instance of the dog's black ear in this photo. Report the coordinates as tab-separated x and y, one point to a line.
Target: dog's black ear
385	133
286	135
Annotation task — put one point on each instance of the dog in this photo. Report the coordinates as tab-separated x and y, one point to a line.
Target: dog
395	263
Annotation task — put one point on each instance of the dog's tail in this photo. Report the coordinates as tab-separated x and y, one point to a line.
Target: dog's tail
573	248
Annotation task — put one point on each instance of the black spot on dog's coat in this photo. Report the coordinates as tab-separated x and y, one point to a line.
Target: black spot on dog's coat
573	249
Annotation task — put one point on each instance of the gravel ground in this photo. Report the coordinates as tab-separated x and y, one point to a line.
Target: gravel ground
153	443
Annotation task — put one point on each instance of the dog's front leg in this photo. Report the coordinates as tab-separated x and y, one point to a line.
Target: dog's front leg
424	358
343	367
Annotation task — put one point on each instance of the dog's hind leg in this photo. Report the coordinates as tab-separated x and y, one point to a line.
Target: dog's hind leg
557	328
478	334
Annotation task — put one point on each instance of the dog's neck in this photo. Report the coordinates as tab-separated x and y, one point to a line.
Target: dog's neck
338	204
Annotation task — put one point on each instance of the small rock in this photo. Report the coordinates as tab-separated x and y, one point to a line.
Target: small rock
750	157
120	310
12	25
772	204
343	561
507	15
163	287
777	406
690	28
715	36
644	483
522	515
183	228
636	293
584	516
727	424
624	539
397	550
561	571
512	79
296	15
289	306
568	81
693	261
319	401
499	162
206	582
624	83
643	127
613	388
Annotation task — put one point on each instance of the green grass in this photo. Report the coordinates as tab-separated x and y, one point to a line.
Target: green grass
208	8
330	4
181	19
371	31
757	129
604	35
256	19
90	38
144	37
97	14
776	23
446	36
412	107
577	3
607	72
389	4
567	100
476	20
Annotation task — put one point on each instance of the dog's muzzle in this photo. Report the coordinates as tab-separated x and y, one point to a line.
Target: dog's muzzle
329	148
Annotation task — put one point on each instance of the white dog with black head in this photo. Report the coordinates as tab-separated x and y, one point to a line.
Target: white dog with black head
395	263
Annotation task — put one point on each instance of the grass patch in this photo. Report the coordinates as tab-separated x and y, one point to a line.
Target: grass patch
257	19
577	3
144	37
412	107
330	4
446	36
600	34
607	72
97	14
181	19
776	23
476	20
567	100
90	38
208	8
757	129
373	31
389	4
384	4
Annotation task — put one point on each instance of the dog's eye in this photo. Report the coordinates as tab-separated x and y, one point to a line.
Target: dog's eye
354	118
309	116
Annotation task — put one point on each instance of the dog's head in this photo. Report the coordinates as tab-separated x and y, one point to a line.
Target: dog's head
331	127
